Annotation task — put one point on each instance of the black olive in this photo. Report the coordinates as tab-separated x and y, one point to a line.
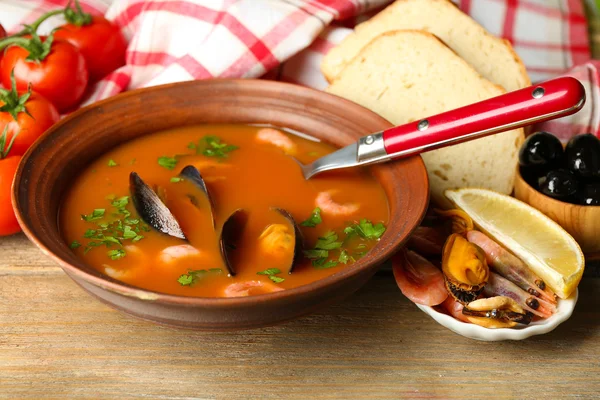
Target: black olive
590	195
541	151
531	176
583	156
560	184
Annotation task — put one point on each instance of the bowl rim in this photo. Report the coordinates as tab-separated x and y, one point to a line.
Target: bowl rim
477	332
126	289
553	201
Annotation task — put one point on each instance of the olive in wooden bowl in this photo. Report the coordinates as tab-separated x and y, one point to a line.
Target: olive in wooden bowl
564	183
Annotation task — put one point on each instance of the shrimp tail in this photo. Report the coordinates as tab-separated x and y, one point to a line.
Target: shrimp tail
511	267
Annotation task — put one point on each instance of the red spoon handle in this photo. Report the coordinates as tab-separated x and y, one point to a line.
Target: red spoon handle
547	100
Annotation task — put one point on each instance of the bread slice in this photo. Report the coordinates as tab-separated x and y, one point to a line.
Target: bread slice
492	57
409	75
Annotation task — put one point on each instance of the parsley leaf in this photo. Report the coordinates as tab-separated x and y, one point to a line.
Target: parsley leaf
366	229
75	244
328	242
128	233
98	213
344	257
167	162
314	219
193	275
120	202
185	279
270	271
276	279
112	163
116	254
211	146
315	253
322	263
176	179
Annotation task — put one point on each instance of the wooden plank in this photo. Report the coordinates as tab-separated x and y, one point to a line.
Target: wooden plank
57	342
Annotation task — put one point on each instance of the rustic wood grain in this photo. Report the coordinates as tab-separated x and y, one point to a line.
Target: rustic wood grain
58	342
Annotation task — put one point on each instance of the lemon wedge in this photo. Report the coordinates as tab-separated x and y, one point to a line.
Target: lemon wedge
533	237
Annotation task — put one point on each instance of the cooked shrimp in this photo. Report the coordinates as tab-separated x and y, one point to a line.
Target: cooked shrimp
418	279
250	288
511	267
499	286
325	202
276	138
122	270
427	240
171	255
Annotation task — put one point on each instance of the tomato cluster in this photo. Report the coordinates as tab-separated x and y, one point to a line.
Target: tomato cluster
44	76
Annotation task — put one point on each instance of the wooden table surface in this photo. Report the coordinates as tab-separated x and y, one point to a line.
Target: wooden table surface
58	342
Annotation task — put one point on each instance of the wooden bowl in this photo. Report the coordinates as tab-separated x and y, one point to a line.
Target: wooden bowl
582	222
50	166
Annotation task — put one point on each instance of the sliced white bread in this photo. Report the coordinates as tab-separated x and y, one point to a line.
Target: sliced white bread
408	75
492	57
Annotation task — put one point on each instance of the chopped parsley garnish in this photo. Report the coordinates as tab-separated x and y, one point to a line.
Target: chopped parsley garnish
329	250
121	202
193	275
75	244
314	219
176	179
116	254
167	162
271	272
328	241
365	229
117	227
320	254
132	161
98	213
211	146
112	163
344	257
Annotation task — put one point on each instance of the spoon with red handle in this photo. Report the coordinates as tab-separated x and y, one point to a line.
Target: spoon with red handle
541	102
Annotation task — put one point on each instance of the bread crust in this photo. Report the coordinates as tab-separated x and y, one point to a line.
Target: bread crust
327	60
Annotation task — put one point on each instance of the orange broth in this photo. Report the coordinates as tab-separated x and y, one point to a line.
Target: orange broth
255	177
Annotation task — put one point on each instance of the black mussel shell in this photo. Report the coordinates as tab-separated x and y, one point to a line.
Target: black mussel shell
151	209
583	156
298	238
560	184
191	174
230	236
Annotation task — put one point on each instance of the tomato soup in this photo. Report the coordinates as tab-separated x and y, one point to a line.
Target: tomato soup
287	231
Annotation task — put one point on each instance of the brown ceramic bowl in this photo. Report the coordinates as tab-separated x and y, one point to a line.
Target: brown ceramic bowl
51	164
582	222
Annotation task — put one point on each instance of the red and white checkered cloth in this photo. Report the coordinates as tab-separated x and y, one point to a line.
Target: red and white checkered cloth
178	40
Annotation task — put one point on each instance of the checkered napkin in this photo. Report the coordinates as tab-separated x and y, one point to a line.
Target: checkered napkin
178	40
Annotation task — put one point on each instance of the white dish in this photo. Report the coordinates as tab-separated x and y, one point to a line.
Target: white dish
564	310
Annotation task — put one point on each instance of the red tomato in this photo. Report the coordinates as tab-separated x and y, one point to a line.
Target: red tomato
61	77
2	35
42	115
8	221
100	42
